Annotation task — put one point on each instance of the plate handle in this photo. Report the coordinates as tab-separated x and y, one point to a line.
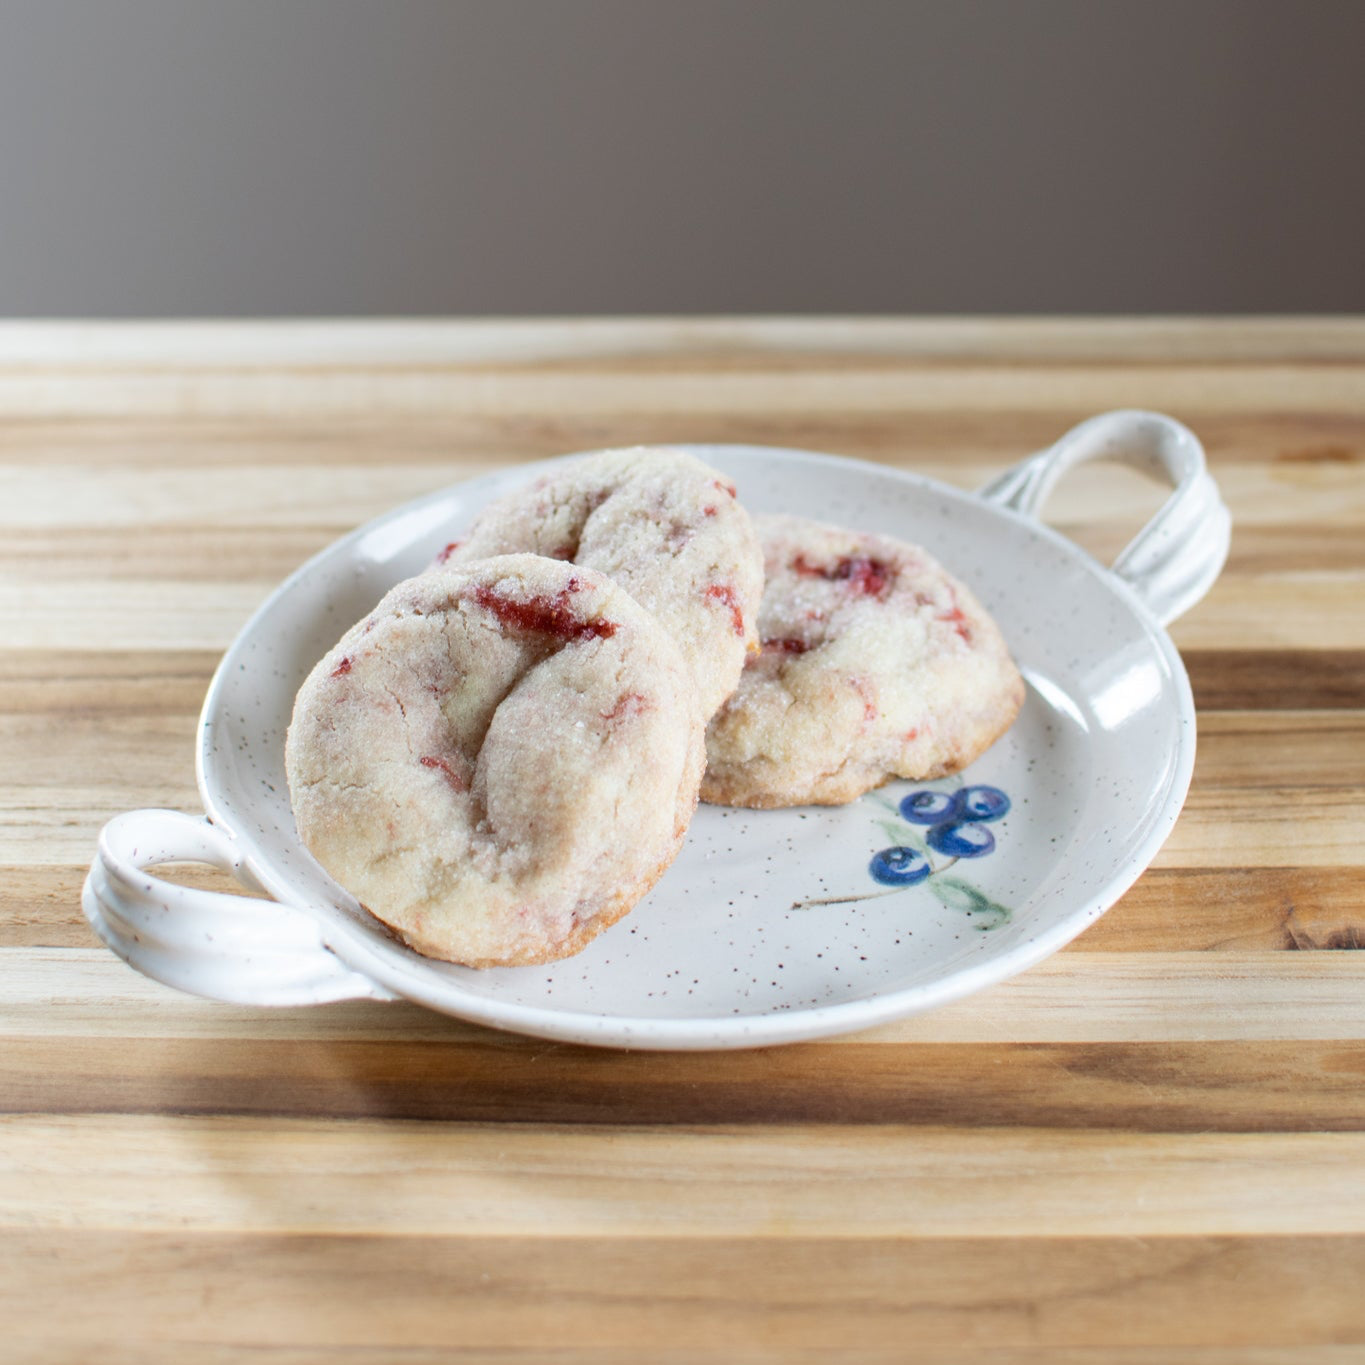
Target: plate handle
225	947
1175	559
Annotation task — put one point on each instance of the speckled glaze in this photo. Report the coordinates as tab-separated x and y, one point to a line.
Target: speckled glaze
731	948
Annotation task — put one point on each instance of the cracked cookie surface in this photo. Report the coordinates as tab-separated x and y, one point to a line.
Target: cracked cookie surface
874	662
666	526
499	760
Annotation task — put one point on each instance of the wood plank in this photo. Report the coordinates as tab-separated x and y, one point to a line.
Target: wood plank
40	906
161	553
1234	910
134	614
1276	679
90	753
60	787
1289	547
370	1177
1242	827
108	684
1075	997
711	1294
1205	1086
249	491
1237	749
1312	546
621	389
1325	491
268	343
1306	611
453	445
74	497
971	444
38	1351
1230	910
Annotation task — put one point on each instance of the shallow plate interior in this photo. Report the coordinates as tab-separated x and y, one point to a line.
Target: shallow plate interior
770	925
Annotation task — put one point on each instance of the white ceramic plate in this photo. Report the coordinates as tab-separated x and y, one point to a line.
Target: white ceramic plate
770	926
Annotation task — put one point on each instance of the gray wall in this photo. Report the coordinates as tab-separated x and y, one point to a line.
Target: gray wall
173	157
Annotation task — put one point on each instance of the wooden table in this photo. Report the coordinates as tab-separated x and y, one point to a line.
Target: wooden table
1148	1149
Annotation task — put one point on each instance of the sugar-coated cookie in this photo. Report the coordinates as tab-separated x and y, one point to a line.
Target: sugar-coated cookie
665	526
499	761
874	663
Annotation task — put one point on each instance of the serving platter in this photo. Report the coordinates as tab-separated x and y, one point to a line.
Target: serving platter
772	926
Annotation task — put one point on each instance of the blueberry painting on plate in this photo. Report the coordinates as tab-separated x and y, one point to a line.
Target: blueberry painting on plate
956	828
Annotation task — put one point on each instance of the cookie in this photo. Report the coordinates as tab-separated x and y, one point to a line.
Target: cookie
874	663
499	761
666	527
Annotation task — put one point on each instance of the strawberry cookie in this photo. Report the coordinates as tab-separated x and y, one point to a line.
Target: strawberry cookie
661	523
874	663
499	761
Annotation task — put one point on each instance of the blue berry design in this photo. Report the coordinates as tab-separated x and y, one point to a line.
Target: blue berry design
981	804
952	825
899	866
961	839
928	807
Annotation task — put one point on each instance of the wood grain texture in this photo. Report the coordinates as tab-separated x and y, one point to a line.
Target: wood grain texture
185	1352
713	1294
370	1177
1146	1149
1205	1086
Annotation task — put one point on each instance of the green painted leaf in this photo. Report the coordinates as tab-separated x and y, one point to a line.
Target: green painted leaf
966	899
